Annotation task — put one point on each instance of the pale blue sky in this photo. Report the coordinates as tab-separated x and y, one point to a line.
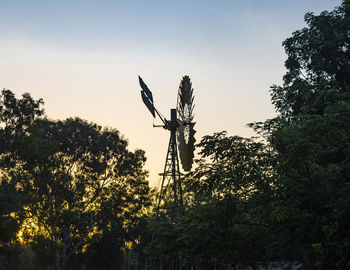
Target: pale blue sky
138	25
83	58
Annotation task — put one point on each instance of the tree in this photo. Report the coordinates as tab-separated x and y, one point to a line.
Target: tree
311	139
292	186
222	226
318	60
80	178
67	187
16	115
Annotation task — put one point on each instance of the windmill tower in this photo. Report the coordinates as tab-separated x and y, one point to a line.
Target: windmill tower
181	143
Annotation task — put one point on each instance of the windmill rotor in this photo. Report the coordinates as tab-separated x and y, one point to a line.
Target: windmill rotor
185	134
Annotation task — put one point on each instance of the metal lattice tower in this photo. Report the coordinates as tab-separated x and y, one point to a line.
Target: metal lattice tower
171	181
181	139
181	144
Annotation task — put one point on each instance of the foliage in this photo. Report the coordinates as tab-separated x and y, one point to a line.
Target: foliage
81	179
230	166
311	139
222	225
78	184
318	59
16	115
285	197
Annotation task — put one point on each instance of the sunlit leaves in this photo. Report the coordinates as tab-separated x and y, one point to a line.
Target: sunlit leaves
80	182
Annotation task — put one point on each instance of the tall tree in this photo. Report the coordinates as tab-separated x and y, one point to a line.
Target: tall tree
311	139
16	115
222	226
79	176
297	184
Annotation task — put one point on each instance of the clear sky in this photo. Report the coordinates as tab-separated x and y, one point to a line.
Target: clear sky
83	58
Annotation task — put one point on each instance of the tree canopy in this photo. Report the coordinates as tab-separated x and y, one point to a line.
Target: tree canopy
76	181
283	195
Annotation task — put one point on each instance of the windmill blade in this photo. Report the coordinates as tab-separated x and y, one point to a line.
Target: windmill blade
185	91
147	97
185	134
185	100
148	104
145	88
186	149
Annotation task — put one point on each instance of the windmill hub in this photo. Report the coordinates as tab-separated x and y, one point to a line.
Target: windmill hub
174	123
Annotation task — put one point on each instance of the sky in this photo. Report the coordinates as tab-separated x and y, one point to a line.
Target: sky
83	58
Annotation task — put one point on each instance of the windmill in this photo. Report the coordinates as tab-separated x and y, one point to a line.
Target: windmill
181	142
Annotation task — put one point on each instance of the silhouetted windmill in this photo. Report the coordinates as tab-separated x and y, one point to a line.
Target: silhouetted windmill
181	140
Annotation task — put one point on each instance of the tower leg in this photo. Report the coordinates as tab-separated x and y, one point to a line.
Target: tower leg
171	175
170	195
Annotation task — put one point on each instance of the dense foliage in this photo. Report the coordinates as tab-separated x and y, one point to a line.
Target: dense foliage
69	184
282	196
